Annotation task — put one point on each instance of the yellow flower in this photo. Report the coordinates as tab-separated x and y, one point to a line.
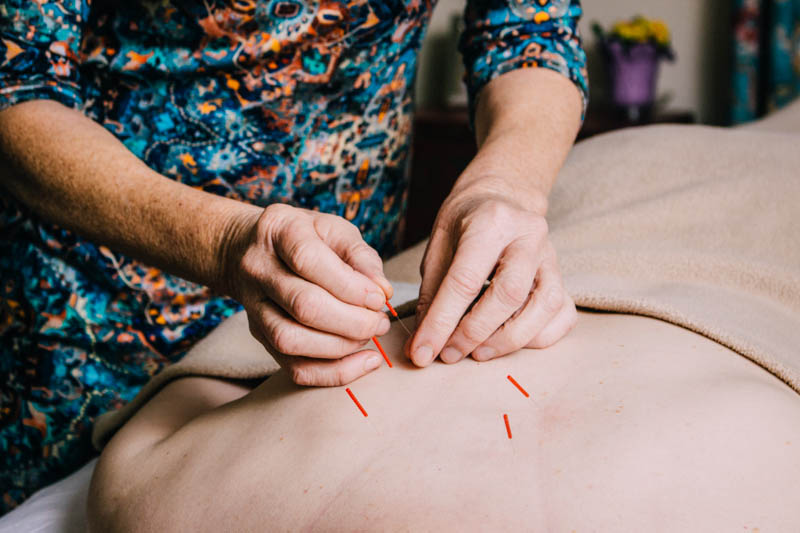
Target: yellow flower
660	32
642	30
639	32
620	28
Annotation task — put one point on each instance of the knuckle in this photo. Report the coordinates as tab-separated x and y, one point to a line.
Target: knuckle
363	330
512	291
344	347
310	375
553	299
375	324
517	337
284	338
547	338
251	264
299	255
360	251
369	327
340	376
466	282
272	220
439	325
301	374
350	228
474	331
277	208
499	216
303	304
424	301
498	212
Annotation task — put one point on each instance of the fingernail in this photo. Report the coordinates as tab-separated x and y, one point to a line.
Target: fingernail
372	363
423	355
391	289
450	355
375	301
484	353
383	326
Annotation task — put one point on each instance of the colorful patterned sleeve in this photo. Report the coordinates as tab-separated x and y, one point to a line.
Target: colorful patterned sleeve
39	50
504	35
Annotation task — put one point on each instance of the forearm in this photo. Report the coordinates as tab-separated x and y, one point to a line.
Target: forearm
69	170
525	124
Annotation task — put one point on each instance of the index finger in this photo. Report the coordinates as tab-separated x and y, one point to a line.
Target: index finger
306	254
346	241
472	264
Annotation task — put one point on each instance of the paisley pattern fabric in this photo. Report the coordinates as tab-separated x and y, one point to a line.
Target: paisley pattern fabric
766	67
306	102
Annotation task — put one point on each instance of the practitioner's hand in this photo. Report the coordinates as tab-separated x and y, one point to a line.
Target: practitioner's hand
313	291
482	231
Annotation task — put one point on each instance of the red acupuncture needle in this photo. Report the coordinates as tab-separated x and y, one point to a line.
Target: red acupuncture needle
505	419
358	404
394	314
380	348
517	385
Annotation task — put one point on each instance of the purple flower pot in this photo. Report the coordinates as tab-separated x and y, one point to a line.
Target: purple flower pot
633	72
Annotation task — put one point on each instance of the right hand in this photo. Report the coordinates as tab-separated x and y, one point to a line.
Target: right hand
313	291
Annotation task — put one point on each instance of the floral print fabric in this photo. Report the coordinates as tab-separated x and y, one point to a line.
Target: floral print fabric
766	69
306	102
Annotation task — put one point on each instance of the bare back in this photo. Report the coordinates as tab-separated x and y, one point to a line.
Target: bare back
631	423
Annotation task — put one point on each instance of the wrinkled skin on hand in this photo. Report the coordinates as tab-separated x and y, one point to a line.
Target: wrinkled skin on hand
313	291
486	233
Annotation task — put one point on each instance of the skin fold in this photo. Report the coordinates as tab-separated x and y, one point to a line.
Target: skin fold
633	424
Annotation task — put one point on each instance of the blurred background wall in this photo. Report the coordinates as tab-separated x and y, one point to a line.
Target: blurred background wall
698	81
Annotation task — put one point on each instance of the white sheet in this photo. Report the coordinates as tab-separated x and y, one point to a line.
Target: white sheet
58	508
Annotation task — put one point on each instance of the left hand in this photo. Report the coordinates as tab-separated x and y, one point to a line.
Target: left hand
481	230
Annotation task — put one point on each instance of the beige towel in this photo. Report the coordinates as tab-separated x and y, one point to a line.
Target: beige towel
697	226
228	352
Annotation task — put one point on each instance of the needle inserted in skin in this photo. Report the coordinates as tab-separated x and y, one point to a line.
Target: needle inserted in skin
380	348
517	385
394	314
355	400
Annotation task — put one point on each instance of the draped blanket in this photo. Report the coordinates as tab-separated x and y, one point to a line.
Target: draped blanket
694	225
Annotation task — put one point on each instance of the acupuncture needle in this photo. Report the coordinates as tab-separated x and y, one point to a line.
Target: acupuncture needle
355	401
378	344
394	314
383	353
